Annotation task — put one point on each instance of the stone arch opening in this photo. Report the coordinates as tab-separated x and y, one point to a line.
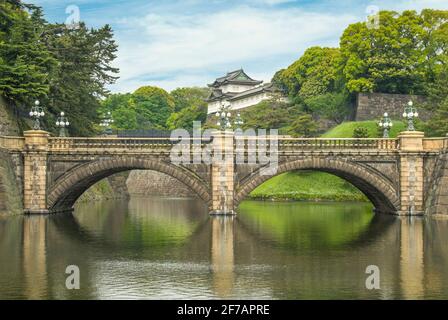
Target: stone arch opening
70	186
379	190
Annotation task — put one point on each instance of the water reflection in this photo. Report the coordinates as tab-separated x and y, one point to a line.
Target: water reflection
222	259
171	248
34	257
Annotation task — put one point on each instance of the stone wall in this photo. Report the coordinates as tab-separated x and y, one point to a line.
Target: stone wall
437	186
8	122
372	106
10	191
113	187
146	182
11	165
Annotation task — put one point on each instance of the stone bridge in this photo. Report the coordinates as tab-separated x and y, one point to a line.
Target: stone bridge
403	176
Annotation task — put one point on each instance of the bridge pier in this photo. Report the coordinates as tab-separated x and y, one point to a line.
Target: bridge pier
35	157
411	173
223	174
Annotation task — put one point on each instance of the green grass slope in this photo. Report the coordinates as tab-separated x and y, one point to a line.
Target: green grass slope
307	186
345	129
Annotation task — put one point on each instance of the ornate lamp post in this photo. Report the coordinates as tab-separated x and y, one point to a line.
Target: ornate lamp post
62	123
386	124
410	112
37	112
238	121
224	116
106	123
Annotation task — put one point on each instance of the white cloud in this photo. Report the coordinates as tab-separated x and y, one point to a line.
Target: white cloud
185	45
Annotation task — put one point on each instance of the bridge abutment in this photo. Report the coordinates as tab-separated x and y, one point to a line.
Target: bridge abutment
35	172
411	173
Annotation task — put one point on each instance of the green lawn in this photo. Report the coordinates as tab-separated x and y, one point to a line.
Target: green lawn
307	186
345	130
320	186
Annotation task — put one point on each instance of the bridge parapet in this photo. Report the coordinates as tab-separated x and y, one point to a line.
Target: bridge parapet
114	144
56	144
338	144
435	144
12	143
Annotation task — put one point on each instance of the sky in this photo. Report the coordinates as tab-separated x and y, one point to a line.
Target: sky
184	43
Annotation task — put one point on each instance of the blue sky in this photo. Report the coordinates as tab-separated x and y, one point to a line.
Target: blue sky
176	43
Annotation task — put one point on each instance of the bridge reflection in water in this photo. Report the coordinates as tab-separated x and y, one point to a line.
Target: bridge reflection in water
171	248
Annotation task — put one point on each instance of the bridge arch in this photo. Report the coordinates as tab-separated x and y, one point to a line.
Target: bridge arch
63	194
378	189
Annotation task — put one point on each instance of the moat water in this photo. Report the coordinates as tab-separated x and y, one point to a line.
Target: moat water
158	248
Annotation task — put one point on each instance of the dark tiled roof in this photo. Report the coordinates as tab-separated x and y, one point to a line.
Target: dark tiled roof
237	77
268	87
217	94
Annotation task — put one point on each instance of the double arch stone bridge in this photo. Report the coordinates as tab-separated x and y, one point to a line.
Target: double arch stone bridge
403	176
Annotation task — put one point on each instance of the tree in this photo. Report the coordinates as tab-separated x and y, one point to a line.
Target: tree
315	73
333	106
125	117
303	126
153	106
436	51
84	70
184	119
398	57
437	104
269	114
188	97
190	105
66	69
25	62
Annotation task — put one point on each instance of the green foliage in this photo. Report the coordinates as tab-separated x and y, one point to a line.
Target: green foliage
190	106
360	132
188	97
84	69
270	114
25	62
437	103
303	126
184	119
153	106
315	73
399	56
67	69
332	106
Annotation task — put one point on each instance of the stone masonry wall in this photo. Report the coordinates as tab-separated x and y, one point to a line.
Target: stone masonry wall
145	182
372	106
437	189
8	122
10	191
113	187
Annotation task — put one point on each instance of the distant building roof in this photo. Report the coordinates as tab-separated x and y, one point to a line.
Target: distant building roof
217	95
268	87
235	77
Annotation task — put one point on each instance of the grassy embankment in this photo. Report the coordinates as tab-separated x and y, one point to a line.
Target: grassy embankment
319	186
